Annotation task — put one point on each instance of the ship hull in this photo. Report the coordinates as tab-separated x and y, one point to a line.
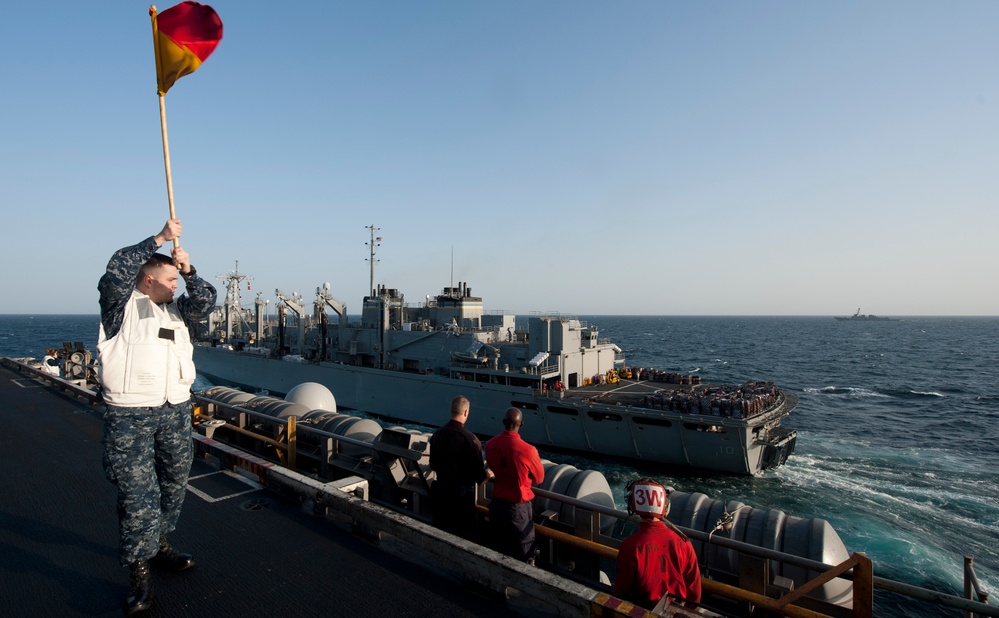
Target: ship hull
664	439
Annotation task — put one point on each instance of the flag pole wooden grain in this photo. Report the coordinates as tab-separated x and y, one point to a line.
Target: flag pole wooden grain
166	163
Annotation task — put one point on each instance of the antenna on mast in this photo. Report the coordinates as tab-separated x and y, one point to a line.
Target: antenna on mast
374	244
233	280
452	265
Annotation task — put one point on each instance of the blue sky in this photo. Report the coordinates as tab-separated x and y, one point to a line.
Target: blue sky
688	158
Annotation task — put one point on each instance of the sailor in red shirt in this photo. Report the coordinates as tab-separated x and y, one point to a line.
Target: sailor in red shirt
657	559
516	465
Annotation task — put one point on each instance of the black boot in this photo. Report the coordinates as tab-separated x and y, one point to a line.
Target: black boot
169	559
141	595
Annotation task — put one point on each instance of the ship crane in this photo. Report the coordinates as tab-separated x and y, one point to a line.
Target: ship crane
325	299
294	302
258	306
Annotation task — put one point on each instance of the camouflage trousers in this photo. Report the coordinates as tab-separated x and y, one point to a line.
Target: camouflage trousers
147	455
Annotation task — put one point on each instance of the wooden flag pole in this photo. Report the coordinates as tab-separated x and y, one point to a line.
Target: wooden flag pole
166	163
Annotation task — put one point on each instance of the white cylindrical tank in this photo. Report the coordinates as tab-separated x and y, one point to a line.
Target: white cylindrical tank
228	395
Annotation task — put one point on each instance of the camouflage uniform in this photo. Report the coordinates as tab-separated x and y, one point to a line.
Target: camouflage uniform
147	451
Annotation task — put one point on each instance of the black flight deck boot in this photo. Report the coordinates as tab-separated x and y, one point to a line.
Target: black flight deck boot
169	559
141	595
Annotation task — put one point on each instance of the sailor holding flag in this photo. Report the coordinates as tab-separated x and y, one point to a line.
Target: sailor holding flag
145	350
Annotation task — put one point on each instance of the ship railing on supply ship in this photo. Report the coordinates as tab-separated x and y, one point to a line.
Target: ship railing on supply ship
551	366
554	315
744	401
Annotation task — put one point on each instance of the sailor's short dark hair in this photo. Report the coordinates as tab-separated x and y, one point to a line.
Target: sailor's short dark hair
155	261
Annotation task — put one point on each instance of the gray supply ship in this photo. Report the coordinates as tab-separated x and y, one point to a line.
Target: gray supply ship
406	362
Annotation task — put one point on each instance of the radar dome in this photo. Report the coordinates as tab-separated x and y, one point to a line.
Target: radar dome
313	396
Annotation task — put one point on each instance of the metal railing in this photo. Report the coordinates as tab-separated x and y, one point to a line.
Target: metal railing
971	582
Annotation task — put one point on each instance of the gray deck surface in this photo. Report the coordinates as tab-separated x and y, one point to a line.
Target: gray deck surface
257	553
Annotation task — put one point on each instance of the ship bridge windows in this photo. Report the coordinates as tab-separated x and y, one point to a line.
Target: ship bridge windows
563	410
604	416
652	421
524	381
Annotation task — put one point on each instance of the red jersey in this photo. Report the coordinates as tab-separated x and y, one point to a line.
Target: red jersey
516	465
654	561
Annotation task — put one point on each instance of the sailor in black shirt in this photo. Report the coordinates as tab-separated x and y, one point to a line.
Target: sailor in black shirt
456	457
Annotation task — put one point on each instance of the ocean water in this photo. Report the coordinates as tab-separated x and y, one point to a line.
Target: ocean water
898	427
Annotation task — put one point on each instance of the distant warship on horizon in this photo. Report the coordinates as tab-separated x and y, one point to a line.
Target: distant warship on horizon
864	318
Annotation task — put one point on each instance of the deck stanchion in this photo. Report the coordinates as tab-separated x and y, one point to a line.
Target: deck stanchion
863	585
292	442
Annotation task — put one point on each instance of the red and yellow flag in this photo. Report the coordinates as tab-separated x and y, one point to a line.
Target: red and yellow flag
183	37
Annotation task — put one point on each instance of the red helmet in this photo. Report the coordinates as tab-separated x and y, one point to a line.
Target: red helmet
648	498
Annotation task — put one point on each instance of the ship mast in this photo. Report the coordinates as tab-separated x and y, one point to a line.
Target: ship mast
233	303
374	244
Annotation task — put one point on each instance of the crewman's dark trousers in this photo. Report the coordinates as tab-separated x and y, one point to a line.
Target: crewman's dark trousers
512	528
453	508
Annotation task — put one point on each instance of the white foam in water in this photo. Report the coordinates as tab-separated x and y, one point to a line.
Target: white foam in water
879	516
845	391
